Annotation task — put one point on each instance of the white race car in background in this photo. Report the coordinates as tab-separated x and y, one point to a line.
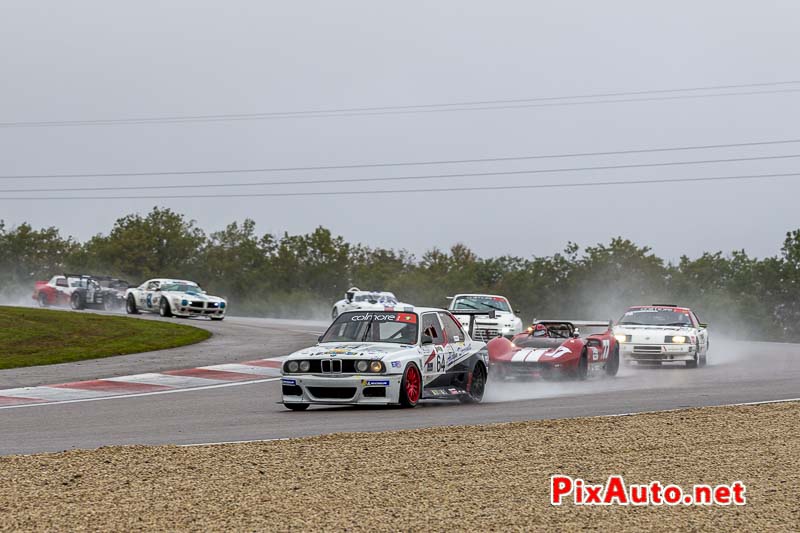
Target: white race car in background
499	321
387	357
173	297
357	300
662	333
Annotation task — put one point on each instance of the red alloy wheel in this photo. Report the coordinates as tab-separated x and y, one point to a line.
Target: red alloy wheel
412	384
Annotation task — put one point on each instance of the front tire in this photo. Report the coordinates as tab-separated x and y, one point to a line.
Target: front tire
612	363
411	386
296	406
164	309
582	371
217	318
130	305
477	385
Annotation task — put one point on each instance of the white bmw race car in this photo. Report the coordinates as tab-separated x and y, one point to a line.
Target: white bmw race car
501	320
662	333
387	357
172	297
357	300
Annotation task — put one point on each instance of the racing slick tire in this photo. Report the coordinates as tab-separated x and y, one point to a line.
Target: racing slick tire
582	370
164	309
217	318
43	300
411	386
76	301
477	385
612	363
130	305
296	406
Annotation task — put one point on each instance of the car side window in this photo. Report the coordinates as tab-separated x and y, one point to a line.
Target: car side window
695	319
452	328
153	285
61	282
432	328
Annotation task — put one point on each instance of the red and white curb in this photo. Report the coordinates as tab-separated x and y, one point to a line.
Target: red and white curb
204	377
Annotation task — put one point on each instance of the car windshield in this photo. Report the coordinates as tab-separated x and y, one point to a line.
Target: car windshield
481	303
400	328
181	287
655	317
383	298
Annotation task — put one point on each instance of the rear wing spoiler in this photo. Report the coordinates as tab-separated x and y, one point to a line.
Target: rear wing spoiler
472	315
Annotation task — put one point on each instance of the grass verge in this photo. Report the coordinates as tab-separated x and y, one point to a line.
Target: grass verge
31	337
479	478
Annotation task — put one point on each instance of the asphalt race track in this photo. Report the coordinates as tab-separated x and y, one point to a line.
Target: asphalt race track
738	372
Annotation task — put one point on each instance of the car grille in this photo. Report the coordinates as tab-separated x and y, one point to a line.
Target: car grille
212	305
333	393
196	304
327	366
485	334
647	348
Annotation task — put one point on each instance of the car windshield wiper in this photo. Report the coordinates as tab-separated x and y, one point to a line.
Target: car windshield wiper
467	303
677	324
631	324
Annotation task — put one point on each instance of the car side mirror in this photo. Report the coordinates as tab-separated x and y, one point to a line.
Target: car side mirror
517	311
319	339
158	289
703	325
426	339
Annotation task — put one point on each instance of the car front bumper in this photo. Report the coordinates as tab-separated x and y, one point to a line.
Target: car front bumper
663	353
180	310
356	389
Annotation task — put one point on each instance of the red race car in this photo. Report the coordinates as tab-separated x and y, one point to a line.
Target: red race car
556	349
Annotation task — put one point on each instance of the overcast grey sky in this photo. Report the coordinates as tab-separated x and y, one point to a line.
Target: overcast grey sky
83	60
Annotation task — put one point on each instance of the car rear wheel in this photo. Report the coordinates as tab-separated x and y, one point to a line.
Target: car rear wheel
411	386
612	363
76	301
109	303
296	406
477	385
130	305
164	309
43	300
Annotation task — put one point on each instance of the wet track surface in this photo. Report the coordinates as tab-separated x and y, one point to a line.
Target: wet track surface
738	372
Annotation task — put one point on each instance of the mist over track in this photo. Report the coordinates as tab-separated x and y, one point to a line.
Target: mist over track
738	372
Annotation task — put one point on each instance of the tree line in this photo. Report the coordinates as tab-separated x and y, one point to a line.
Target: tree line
302	275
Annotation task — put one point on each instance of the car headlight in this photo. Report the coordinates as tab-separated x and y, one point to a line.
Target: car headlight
184	302
222	305
622	338
676	339
362	366
305	366
376	366
292	366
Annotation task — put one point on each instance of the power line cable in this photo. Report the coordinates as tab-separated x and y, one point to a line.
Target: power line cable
396	164
478	105
405	178
407	191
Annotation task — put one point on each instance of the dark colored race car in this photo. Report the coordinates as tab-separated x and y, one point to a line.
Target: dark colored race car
556	349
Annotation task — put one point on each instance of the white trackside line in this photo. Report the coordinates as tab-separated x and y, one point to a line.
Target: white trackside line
51	393
137	394
244	369
168	380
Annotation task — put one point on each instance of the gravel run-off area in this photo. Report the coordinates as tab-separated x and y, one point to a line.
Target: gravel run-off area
467	478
